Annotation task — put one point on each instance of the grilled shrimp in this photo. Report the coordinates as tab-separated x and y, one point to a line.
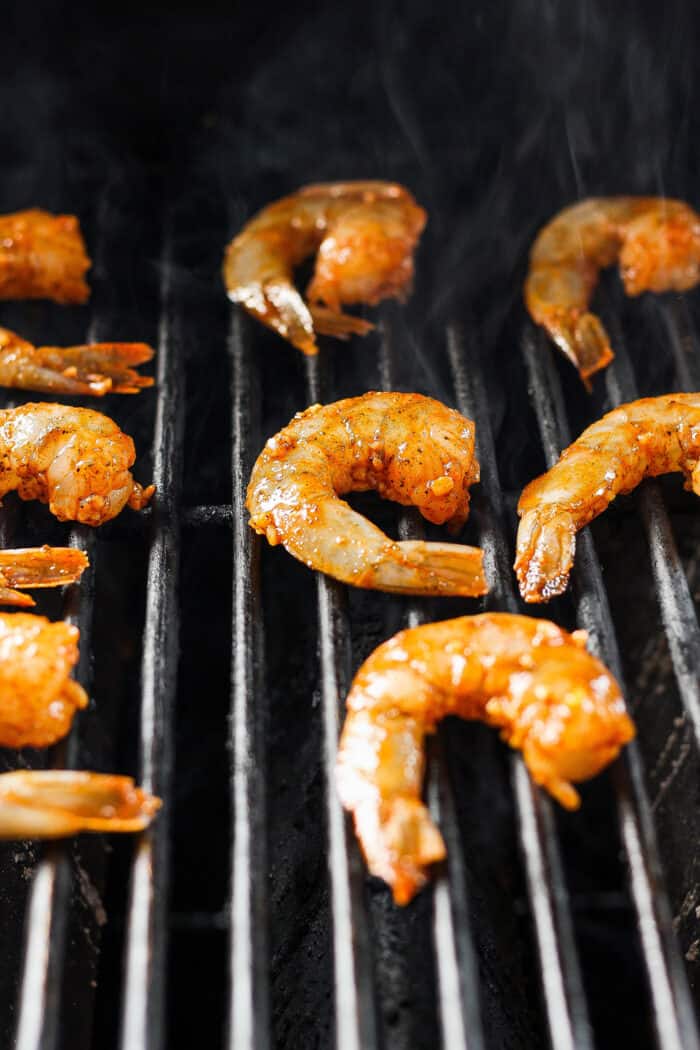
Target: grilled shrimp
51	804
657	242
364	232
36	567
42	256
97	369
411	449
38	698
74	459
549	697
656	435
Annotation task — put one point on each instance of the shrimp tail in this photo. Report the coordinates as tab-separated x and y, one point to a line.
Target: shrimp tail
338	324
57	803
279	305
545	554
583	339
416	567
97	369
399	841
140	497
38	567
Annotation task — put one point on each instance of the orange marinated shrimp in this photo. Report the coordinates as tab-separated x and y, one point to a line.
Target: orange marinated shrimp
38	698
656	435
42	256
411	449
51	804
74	459
36	567
657	242
364	233
535	682
96	369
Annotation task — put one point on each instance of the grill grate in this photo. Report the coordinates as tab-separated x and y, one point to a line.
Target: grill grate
357	1022
439	971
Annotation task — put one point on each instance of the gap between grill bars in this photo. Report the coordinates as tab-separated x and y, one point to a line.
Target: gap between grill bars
668	986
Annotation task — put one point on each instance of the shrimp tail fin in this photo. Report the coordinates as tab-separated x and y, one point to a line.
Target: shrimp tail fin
416	567
57	803
279	305
96	369
99	368
585	342
38	567
337	324
399	841
545	554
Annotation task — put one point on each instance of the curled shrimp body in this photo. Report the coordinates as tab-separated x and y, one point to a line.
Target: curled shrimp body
42	256
38	698
97	369
656	241
655	435
549	697
364	233
55	803
74	459
411	449
36	567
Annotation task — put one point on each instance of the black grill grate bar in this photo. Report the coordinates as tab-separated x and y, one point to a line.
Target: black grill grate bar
455	956
567	1013
672	1005
38	1008
248	1017
143	1008
683	342
355	1012
675	600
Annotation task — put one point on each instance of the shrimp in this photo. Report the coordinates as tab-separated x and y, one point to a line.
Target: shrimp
36	567
74	459
42	256
364	232
97	369
657	242
535	682
38	698
411	449
55	803
655	435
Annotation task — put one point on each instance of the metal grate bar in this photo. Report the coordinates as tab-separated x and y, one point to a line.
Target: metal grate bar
567	1014
143	1011
672	1006
248	1002
456	962
675	600
355	1020
38	1010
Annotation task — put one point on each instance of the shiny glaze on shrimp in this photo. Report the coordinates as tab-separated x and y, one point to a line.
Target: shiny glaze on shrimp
74	459
37	567
657	242
96	369
54	803
655	435
365	234
42	256
535	682
411	449
38	698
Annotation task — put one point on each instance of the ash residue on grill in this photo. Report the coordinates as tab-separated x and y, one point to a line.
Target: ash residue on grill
181	127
